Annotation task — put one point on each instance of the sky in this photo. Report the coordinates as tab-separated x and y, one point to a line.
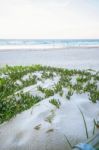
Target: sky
41	19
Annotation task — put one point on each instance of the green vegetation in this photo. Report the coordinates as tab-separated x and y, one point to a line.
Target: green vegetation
58	87
47	75
47	92
84	123
14	101
69	94
55	102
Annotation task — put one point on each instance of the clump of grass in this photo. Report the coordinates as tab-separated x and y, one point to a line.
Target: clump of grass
78	88
31	81
40	89
58	87
69	94
15	104
61	93
47	92
8	87
47	74
55	103
84	123
11	103
94	96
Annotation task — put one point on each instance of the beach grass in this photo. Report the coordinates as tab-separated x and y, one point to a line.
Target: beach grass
14	100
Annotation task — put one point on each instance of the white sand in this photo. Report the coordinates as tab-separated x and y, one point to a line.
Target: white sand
31	130
79	58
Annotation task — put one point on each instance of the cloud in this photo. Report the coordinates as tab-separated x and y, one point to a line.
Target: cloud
48	19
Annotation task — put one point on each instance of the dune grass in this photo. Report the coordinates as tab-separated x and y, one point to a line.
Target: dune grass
12	103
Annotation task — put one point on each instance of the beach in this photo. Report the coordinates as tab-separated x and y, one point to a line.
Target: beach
47	108
60	114
49	75
71	58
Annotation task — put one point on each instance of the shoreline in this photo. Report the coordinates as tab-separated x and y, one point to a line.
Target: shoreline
45	49
72	58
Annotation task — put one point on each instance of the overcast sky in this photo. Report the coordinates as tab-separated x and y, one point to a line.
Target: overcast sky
49	19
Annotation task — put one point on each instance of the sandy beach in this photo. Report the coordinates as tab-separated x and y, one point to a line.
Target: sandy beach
67	110
45	123
71	58
49	75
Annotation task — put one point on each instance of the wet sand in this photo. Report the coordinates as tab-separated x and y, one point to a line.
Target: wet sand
73	58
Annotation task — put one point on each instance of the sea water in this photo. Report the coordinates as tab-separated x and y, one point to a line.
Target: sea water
48	43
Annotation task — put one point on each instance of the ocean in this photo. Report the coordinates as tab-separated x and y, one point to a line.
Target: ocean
48	43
